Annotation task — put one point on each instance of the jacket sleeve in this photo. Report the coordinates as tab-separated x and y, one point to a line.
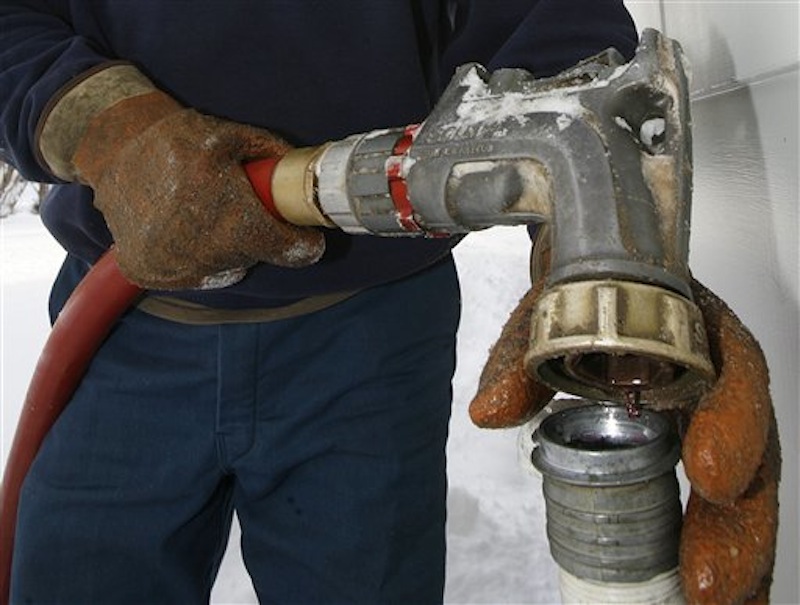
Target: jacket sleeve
542	36
39	54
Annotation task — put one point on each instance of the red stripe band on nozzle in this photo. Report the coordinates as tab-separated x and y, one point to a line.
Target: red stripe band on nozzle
398	188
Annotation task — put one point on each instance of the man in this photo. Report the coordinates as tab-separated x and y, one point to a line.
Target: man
310	394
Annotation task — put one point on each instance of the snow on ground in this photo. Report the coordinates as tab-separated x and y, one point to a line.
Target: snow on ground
497	546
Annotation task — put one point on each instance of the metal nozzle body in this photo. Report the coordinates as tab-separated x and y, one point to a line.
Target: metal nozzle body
600	152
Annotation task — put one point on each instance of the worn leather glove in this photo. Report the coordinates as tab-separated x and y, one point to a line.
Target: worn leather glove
169	182
731	451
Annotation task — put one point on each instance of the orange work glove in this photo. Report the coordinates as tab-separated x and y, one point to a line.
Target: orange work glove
731	455
731	451
169	182
506	395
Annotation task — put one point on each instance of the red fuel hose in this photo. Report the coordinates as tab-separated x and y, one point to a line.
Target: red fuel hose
260	172
82	326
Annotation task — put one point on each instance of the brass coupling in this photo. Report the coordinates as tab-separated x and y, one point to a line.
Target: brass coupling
607	339
294	187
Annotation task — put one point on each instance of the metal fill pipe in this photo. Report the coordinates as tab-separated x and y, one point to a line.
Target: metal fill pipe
613	507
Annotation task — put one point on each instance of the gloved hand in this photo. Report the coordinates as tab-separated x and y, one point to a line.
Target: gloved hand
169	182
731	451
506	395
731	455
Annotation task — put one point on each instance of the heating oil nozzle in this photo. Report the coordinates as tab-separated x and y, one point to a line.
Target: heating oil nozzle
600	152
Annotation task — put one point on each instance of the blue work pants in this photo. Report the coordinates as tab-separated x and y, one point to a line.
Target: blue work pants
325	433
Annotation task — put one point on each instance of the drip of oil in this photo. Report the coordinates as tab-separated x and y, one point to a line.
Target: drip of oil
629	375
633	403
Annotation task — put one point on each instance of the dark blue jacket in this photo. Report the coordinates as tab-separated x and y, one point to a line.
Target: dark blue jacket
311	70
